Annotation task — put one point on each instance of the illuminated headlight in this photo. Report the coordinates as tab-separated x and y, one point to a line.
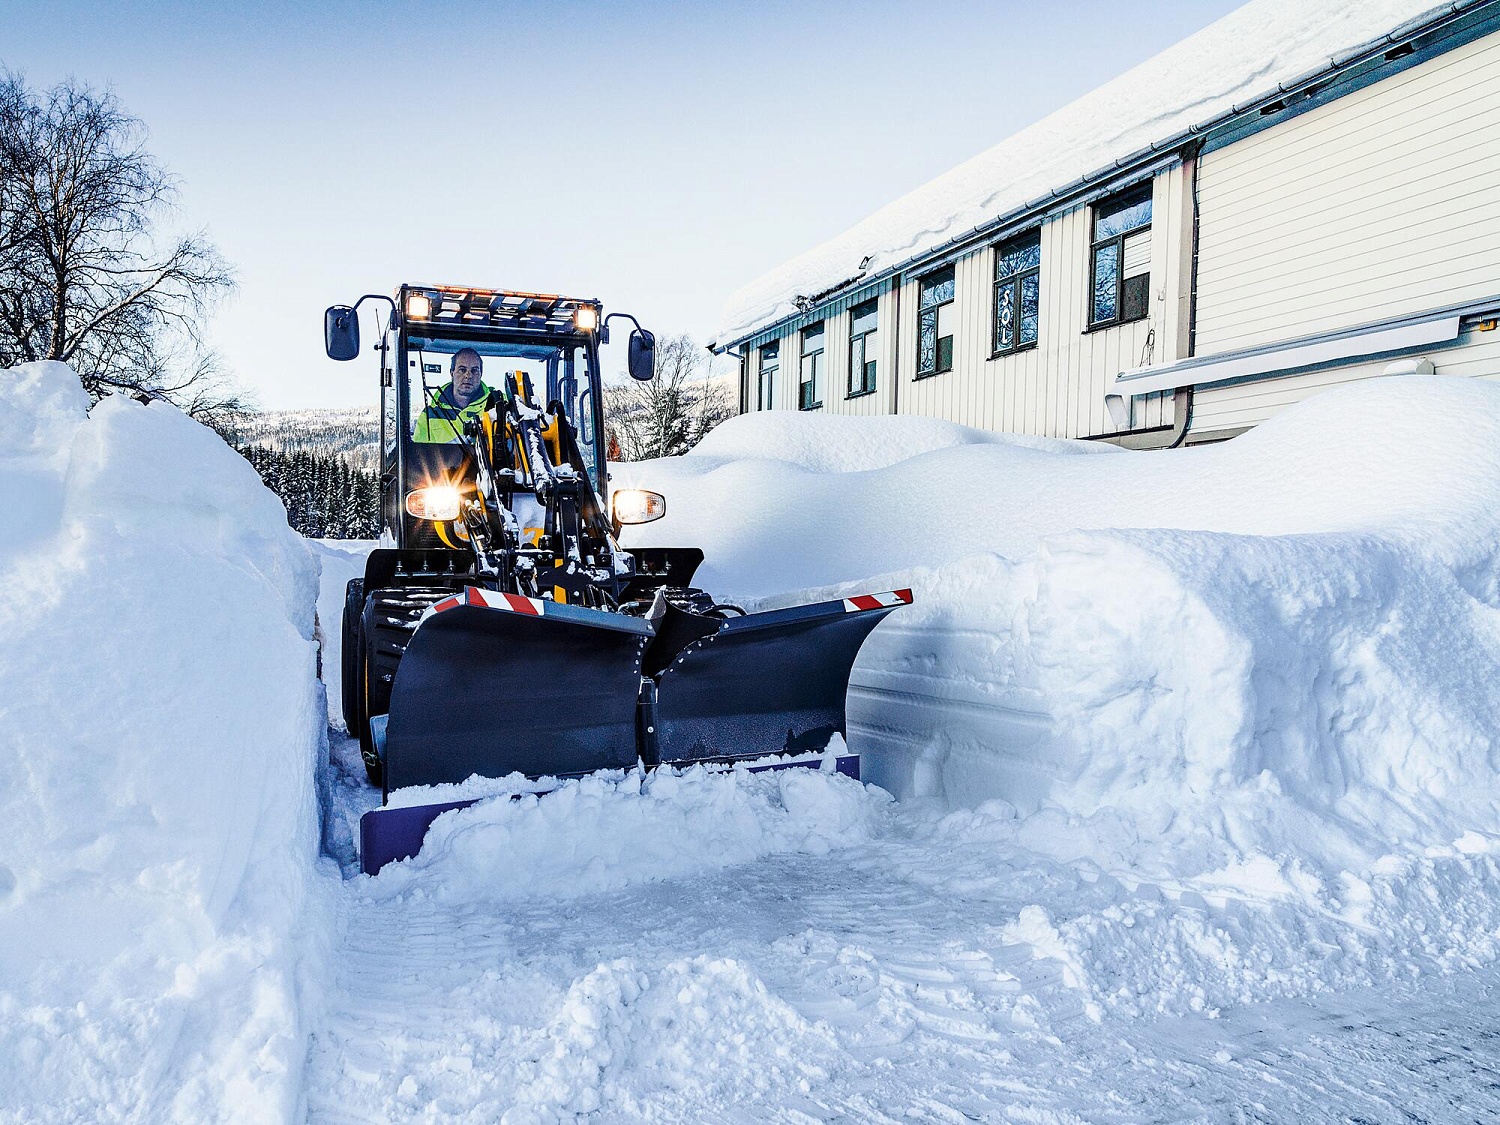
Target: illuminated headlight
586	318
418	306
636	505
439	502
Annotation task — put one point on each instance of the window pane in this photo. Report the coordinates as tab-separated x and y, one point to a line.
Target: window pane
812	338
936	289
856	364
927	342
1005	316
1135	301
869	375
1031	291
945	353
863	318
1116	216
1019	254
1106	266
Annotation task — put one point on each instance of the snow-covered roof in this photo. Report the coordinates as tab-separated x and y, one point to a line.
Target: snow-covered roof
1242	59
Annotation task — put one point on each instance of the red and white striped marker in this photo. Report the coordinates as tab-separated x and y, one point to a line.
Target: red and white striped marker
490	599
877	601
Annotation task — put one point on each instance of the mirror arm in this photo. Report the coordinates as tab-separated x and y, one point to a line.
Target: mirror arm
375	297
604	327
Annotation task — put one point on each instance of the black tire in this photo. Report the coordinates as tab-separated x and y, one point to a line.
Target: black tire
351	659
387	622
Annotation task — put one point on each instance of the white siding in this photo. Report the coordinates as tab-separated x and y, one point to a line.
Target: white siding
1381	203
1056	388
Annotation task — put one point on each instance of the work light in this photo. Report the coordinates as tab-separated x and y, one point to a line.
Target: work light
436	502
638	505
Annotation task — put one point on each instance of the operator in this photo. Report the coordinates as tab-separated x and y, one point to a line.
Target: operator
451	406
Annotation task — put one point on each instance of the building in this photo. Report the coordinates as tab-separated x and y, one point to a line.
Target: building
1304	193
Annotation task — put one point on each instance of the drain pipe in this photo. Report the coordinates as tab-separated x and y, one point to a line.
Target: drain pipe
895	344
1192	344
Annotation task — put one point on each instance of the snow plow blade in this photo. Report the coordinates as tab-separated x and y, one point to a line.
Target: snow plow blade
495	683
766	683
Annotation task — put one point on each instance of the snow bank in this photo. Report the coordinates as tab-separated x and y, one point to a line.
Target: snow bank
1243	58
606	832
161	721
339	561
1279	647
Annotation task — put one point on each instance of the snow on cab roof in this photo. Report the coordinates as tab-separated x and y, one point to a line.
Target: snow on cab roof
1240	59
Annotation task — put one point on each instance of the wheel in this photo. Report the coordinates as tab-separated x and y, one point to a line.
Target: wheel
387	621
351	659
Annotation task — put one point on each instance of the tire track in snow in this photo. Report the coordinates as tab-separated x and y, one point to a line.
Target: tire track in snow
910	999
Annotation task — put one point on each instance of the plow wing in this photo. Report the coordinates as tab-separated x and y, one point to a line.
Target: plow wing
494	684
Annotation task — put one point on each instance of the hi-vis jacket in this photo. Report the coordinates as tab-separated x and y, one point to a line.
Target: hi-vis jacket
442	423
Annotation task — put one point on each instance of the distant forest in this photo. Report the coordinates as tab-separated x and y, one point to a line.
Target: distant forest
325	496
322	463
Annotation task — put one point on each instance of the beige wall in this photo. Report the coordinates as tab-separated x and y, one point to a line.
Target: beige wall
1381	203
1056	388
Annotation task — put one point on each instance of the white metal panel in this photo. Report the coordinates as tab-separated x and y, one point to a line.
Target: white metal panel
1138	253
1307	354
1381	203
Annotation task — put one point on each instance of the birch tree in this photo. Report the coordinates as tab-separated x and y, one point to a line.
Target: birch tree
86	274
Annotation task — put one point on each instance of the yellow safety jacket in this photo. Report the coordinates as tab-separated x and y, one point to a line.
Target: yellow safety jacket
442	423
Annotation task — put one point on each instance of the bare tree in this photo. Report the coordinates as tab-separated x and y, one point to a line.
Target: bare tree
84	277
673	412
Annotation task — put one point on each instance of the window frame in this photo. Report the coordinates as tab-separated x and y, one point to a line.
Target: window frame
1121	199
765	379
936	313
865	387
817	356
1014	282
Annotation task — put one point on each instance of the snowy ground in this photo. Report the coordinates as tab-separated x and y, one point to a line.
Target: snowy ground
1198	816
914	976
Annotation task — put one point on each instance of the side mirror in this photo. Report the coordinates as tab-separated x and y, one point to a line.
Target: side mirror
642	361
341	332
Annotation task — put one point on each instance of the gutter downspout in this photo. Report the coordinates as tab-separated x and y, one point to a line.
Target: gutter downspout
896	344
1185	396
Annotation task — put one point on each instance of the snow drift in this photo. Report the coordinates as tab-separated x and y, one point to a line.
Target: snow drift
1281	646
161	720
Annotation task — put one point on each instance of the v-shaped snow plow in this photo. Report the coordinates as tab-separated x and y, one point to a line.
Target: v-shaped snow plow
505	630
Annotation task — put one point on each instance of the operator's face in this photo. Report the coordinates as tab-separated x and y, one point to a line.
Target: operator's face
467	370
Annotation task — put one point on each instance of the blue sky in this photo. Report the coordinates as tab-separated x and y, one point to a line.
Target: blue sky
656	156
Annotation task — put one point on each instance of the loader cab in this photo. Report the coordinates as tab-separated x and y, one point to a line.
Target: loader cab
540	345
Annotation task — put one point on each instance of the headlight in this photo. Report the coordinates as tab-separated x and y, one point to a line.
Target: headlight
439	502
637	505
586	318
418	306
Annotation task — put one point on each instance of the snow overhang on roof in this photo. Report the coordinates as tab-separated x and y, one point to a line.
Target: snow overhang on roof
1250	57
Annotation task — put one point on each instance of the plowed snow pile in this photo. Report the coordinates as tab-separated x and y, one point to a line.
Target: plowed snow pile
160	722
1243	658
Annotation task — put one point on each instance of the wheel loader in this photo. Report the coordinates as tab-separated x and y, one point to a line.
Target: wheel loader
500	628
